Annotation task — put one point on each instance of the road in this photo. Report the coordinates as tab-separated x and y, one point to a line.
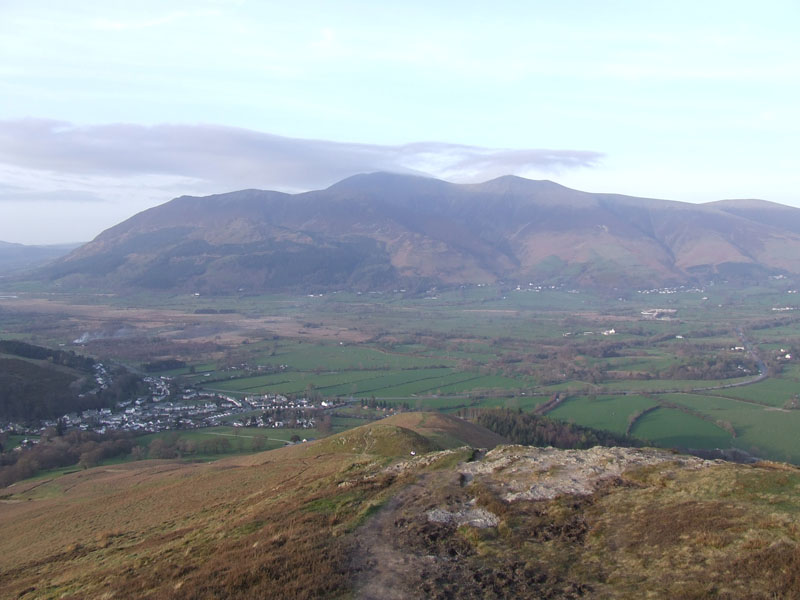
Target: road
235	435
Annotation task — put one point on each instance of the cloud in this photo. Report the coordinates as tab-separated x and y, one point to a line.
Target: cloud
231	158
15	194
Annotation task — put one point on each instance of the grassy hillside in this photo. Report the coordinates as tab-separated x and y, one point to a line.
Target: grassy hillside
322	520
448	431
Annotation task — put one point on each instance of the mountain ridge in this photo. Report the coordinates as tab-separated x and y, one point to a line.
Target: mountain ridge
382	230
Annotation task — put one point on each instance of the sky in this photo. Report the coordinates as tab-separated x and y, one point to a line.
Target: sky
108	108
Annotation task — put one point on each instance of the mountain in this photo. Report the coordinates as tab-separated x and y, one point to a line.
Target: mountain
380	230
356	515
18	257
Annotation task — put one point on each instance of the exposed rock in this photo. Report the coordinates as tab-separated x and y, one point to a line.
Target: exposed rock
423	460
526	473
474	517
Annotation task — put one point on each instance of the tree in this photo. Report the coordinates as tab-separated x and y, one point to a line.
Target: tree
324	424
160	448
223	446
91	458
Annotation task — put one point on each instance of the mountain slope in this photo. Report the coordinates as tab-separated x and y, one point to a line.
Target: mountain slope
306	521
380	230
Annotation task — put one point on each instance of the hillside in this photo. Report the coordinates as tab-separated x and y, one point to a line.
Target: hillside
307	521
18	257
382	230
40	383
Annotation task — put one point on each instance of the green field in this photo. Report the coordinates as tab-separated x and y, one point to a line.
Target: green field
661	385
603	412
292	382
488	382
774	392
764	431
674	428
241	439
307	357
12	441
389	383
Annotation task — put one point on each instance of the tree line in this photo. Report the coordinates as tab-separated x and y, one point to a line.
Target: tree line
536	430
66	358
82	448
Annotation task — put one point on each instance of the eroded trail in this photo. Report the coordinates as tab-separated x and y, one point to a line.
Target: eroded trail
397	551
417	548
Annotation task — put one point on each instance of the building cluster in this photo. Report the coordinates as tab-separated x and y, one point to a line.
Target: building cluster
162	410
673	290
659	314
531	287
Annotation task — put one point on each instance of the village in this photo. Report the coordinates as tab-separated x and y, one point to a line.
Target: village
163	410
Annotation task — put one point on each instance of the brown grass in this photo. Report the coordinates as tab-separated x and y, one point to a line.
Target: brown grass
229	329
291	523
438	425
165	530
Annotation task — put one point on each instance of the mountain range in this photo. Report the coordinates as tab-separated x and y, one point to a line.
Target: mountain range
385	230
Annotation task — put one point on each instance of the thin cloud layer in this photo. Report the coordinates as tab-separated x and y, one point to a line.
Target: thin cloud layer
240	158
64	182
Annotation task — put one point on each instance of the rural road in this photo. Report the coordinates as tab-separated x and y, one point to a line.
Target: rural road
234	435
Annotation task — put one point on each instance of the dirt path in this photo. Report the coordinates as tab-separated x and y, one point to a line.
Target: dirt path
401	555
233	435
381	565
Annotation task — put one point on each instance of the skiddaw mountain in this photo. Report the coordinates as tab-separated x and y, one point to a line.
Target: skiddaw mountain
385	230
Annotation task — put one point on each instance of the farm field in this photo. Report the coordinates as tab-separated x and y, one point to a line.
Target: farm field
658	385
673	428
773	391
763	431
384	384
241	440
612	413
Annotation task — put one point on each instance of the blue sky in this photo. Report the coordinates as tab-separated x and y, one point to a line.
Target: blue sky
107	108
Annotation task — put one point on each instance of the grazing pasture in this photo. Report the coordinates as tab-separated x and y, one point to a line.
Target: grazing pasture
674	428
612	413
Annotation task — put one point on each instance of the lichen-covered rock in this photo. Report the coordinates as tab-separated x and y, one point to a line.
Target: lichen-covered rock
474	517
527	473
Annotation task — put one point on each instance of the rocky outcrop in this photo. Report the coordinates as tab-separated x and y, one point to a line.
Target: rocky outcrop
527	473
